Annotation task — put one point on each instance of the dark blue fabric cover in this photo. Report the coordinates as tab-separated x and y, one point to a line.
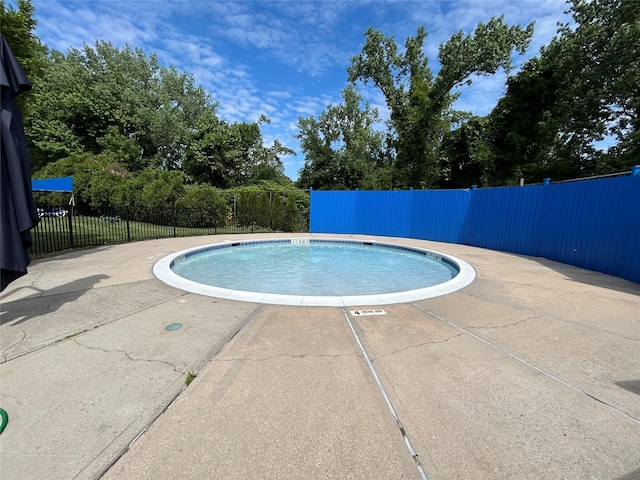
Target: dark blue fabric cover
18	213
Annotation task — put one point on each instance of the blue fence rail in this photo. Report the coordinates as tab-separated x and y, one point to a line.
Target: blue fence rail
591	223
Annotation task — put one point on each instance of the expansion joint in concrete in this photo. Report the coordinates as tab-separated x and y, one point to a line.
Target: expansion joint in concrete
528	364
549	316
251	316
387	400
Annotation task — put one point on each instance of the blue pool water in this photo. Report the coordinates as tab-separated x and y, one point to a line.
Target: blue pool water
316	268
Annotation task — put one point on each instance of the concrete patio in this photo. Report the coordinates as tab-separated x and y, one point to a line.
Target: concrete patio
530	372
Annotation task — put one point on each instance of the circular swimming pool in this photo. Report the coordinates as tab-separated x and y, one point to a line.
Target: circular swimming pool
314	272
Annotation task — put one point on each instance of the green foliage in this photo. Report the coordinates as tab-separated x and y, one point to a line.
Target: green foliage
263	212
97	179
190	378
598	66
229	155
120	102
247	207
467	155
291	219
419	104
341	147
583	86
164	190
277	212
17	27
201	205
265	165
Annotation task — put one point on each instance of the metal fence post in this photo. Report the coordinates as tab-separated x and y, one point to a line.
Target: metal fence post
126	217
71	242
175	234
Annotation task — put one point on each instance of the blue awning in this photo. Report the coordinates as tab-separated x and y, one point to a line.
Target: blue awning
60	184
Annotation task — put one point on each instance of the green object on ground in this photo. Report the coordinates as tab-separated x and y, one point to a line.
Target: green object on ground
5	420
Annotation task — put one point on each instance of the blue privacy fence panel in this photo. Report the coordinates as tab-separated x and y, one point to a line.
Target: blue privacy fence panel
594	224
628	259
505	219
438	214
335	212
371	208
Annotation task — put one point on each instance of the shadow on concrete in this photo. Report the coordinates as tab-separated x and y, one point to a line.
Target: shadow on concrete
635	475
632	386
45	301
590	277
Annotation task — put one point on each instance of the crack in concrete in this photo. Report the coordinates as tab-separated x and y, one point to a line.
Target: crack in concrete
415	346
124	352
5	352
289	355
525	362
549	315
506	324
70	335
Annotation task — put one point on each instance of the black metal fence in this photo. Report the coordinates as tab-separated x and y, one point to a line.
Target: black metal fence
75	227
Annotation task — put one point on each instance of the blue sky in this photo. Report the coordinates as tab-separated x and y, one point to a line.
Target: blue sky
285	59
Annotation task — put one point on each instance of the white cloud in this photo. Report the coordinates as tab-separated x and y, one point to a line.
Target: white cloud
280	94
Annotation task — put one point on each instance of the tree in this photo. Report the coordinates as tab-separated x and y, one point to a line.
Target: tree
164	190
598	64
17	27
103	99
247	207
467	156
341	147
419	104
523	128
263	212
290	213
229	155
277	212
97	179
266	164
582	87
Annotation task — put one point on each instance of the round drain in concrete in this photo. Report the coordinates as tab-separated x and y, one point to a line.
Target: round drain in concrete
173	326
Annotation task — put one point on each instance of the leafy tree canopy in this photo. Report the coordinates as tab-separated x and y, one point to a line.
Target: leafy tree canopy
17	27
419	102
103	100
582	87
342	147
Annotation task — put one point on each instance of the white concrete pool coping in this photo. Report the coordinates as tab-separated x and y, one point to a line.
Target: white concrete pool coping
162	270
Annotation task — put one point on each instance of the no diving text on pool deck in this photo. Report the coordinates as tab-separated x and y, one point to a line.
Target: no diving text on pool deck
360	313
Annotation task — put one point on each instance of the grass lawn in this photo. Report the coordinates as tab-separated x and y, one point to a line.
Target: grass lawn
53	234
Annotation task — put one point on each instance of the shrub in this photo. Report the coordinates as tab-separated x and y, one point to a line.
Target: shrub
201	206
263	212
291	214
247	207
164	190
277	212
